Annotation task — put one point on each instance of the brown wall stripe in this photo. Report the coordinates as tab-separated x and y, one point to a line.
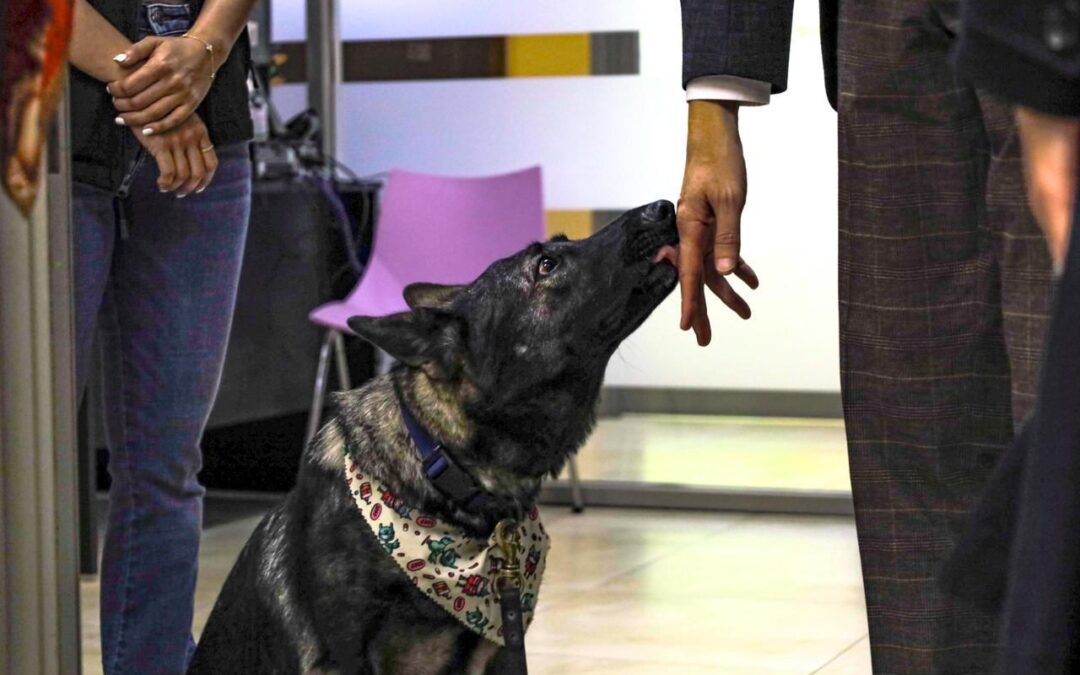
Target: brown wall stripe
602	217
612	53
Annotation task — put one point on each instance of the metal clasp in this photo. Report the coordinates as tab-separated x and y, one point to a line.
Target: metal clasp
507	538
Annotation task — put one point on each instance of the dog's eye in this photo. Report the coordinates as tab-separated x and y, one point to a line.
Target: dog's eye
547	266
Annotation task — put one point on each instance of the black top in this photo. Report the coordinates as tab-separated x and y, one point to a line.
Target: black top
1026	51
102	152
1021	553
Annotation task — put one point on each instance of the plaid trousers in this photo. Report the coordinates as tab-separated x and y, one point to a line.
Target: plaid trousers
944	296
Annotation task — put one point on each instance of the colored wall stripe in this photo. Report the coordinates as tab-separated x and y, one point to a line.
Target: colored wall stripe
548	55
554	55
579	223
602	217
574	224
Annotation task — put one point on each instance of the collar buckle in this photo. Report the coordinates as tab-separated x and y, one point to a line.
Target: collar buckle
447	477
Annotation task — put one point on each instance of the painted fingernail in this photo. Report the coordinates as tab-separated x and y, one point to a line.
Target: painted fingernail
107	90
181	196
120	58
200	190
120	121
725	265
147	131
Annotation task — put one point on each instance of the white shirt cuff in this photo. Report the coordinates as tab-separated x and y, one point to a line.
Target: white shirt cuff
728	88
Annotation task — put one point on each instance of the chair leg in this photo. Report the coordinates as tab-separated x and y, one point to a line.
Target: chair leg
577	498
317	396
344	381
383	362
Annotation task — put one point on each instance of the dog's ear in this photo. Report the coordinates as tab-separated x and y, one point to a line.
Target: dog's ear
423	338
434	296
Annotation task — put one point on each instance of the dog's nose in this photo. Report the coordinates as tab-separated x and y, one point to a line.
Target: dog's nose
659	211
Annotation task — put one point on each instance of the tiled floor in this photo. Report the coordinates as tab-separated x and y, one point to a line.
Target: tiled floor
660	592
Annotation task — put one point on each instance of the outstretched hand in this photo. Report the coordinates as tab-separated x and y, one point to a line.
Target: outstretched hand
709	215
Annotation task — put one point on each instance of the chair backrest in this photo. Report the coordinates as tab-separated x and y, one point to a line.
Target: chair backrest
446	230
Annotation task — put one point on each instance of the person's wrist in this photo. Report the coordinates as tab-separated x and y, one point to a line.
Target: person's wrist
221	43
713	129
708	116
209	56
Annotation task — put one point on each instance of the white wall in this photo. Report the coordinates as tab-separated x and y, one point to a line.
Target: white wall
613	142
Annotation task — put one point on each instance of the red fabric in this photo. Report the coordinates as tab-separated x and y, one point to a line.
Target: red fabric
37	33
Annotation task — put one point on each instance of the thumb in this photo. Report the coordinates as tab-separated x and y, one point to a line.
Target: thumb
138	52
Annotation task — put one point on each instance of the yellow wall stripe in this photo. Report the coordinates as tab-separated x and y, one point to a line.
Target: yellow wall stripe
548	55
574	224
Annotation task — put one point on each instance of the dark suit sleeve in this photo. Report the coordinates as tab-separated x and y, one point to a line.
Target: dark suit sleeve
1027	51
745	38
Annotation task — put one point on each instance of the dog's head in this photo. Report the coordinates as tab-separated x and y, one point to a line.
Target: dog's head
530	337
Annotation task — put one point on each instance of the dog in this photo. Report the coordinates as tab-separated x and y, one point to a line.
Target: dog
503	373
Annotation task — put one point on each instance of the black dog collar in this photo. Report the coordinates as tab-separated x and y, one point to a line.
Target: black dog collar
449	478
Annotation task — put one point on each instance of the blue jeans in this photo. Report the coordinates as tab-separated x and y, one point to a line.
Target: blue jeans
161	299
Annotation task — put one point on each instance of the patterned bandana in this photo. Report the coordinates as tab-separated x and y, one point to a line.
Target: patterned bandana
453	570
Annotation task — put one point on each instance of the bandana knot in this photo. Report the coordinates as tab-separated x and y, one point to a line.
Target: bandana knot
452	569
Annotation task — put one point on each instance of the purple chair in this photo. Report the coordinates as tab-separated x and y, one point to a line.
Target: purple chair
438	229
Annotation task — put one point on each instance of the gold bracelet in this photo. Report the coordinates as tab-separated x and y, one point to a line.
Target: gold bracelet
209	49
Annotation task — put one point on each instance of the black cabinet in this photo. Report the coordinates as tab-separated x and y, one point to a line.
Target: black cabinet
296	258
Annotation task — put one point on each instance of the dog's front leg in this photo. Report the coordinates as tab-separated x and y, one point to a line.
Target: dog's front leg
499	661
403	654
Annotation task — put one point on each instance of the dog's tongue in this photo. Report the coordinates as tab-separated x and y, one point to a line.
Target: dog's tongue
668	254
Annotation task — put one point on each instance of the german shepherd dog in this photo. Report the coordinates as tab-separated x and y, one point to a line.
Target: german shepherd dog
505	372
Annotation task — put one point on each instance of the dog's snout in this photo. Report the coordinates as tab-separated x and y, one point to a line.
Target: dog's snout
647	229
659	211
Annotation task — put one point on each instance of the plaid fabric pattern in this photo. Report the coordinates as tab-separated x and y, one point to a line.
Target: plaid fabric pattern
944	296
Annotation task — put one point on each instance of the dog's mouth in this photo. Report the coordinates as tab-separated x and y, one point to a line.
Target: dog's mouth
664	261
659	250
660	278
668	254
663	271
